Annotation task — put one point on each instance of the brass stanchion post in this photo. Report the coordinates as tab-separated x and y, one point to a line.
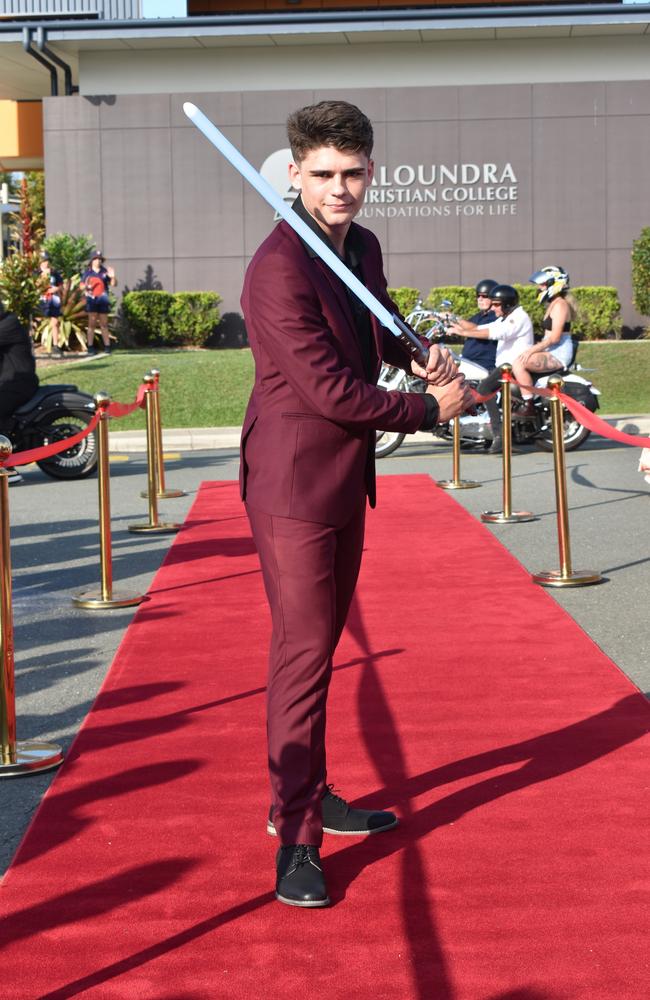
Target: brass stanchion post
457	483
154	525
106	597
27	756
565	576
507	515
162	492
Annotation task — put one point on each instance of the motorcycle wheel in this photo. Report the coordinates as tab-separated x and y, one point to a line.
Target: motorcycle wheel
574	434
80	460
387	442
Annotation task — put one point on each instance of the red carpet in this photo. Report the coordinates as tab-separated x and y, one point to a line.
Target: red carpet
513	749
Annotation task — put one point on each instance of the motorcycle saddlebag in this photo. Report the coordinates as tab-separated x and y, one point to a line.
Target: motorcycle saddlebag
582	394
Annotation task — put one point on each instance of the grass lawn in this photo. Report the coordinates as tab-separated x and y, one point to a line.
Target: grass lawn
197	388
621	370
211	388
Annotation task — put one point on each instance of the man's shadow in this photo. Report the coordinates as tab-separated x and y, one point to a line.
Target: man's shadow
542	758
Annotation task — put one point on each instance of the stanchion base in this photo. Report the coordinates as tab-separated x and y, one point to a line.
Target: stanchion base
164	494
457	484
92	600
167	528
578	578
31	756
498	517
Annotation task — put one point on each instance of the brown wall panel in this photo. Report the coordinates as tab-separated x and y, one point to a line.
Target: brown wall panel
206	197
628	147
569	183
136	192
73	182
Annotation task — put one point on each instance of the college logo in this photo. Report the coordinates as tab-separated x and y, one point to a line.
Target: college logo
275	171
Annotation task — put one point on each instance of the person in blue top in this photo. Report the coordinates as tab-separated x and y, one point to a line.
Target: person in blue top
96	280
482	352
50	303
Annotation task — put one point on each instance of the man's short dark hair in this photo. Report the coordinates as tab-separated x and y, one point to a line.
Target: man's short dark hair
329	123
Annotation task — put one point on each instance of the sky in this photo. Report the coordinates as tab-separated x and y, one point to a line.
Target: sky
164	8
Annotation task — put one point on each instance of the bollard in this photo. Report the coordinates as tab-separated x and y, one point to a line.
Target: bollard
24	757
106	597
457	483
507	515
153	526
565	576
162	493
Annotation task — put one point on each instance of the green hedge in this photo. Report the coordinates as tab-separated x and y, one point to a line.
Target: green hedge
598	316
174	319
404	299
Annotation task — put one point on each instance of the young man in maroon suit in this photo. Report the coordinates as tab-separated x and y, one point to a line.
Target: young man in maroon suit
307	465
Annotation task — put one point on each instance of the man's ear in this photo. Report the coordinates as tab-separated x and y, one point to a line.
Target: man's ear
371	170
294	177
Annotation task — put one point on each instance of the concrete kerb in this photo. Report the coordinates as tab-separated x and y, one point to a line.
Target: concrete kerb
210	438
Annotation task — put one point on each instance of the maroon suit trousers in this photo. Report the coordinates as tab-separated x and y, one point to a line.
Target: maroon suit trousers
310	571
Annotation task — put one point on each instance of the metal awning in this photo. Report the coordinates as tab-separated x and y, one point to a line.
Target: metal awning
21	77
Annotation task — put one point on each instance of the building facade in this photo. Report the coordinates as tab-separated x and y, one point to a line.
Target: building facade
503	141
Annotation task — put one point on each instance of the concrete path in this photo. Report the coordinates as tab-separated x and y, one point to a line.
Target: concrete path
205	438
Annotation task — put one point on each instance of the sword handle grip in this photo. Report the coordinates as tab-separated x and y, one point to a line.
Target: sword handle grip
411	342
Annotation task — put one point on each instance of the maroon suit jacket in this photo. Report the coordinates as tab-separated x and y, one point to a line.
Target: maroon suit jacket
307	448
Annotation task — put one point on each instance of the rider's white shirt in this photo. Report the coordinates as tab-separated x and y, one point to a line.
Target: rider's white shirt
514	334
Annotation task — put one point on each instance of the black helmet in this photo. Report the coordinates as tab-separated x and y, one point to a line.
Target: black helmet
486	286
506	296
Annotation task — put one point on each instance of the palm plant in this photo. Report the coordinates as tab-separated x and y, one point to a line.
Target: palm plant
73	320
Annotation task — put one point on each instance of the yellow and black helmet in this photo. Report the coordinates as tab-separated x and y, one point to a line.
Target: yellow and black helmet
550	282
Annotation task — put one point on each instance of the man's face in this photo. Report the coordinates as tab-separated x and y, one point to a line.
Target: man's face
333	185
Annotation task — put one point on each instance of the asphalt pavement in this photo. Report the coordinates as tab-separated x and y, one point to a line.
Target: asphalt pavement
63	652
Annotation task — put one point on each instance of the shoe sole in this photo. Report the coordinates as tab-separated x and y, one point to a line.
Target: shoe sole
310	904
270	829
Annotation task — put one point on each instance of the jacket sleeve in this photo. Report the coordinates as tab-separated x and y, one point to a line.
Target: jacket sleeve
285	311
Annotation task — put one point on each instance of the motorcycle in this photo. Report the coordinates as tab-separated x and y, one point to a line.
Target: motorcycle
56	412
475	428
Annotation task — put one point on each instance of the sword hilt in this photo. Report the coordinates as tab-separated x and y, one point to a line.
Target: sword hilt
411	342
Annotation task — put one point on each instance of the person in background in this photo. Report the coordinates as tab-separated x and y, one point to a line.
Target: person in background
18	381
483	352
50	303
555	350
513	332
96	280
477	349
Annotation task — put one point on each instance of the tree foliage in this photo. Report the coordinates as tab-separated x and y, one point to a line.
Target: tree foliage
69	254
641	272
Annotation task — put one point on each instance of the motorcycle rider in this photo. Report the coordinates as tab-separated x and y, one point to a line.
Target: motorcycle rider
482	352
18	381
555	350
513	332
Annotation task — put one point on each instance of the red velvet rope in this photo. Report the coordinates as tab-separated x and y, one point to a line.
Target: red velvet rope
46	451
585	416
118	410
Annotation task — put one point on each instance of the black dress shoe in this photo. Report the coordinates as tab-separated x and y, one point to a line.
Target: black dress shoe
300	880
339	817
